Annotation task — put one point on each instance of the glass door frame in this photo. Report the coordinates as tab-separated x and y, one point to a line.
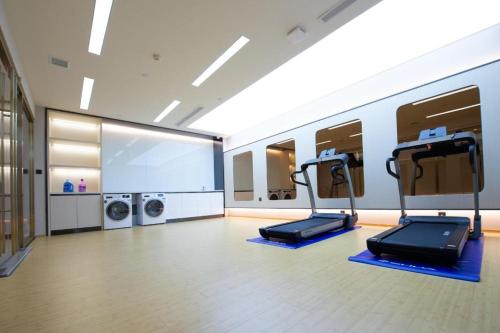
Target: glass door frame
22	110
31	176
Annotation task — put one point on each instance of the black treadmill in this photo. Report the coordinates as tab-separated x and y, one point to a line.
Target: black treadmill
430	238
317	223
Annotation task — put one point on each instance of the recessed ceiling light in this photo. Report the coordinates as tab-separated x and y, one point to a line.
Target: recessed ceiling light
88	84
323	142
167	110
354	135
99	23
451	111
231	51
335	62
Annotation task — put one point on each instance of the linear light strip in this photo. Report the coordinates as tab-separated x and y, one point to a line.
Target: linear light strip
102	10
74	124
321	143
354	135
228	54
88	84
444	95
167	110
451	111
75	149
107	127
344	124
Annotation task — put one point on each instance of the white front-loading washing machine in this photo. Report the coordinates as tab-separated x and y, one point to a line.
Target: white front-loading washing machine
151	208
117	211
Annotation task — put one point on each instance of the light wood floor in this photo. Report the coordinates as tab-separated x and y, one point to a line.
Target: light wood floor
204	277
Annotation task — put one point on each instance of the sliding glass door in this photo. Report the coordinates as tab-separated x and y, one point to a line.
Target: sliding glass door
16	170
5	153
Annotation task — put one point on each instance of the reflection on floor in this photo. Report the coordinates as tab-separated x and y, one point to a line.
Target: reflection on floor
203	276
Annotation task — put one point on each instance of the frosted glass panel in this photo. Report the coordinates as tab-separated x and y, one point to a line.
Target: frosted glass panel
139	160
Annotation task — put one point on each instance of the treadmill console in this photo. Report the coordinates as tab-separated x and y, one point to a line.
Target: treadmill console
432	133
327	153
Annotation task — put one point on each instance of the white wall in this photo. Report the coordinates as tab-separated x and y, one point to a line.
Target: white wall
136	160
379	139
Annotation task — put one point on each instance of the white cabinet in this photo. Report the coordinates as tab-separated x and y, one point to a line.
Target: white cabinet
196	204
217	204
174	205
88	211
63	212
75	211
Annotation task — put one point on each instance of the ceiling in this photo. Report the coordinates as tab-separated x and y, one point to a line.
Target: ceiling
188	34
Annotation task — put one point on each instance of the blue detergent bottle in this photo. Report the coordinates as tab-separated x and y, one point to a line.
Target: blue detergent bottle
68	186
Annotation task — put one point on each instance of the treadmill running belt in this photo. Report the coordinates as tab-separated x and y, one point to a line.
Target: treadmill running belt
423	234
303	224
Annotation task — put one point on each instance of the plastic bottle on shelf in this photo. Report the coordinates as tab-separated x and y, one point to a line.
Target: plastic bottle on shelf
68	186
82	187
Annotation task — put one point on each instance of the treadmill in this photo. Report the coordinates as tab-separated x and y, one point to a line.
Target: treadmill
438	239
317	223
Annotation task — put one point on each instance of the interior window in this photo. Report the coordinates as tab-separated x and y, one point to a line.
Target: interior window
243	176
458	111
345	138
280	165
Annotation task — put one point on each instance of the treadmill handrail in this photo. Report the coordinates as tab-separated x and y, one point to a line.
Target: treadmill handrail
389	169
294	180
306	183
468	137
350	190
343	160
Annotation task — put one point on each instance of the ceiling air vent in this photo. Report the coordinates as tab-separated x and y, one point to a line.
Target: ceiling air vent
332	12
189	116
59	62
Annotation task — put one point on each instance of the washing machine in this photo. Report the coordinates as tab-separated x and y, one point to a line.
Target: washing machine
151	208
273	194
117	211
286	194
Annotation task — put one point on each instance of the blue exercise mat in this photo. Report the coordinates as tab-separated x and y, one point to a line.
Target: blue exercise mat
467	268
298	245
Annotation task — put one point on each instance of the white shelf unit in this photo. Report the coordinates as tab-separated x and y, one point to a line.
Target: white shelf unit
73	152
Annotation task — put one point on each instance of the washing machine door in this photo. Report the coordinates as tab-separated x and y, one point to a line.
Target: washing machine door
118	210
154	207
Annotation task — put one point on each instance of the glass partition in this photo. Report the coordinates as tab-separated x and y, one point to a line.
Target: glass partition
16	168
243	176
280	159
459	111
345	138
5	202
